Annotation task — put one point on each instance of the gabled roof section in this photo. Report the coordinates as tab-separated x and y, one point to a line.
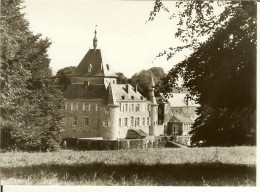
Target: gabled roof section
178	99
125	92
80	91
178	118
94	65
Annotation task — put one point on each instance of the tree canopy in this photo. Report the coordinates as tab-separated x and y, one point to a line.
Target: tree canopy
143	78
221	73
63	77
122	79
30	101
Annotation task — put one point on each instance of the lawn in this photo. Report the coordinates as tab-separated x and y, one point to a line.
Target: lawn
214	166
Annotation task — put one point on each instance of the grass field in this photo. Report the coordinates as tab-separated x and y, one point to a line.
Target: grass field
214	166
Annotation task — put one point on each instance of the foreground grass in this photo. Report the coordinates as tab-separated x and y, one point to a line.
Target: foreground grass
176	166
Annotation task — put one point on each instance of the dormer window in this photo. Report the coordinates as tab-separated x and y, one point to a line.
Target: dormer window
89	68
107	67
142	97
123	97
132	97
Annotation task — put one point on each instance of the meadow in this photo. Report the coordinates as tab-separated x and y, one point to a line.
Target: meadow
213	166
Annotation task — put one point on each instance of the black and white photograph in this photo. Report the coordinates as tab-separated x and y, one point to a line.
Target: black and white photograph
128	93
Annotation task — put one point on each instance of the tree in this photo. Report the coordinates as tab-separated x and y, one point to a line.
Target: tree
143	78
221	74
63	77
122	79
30	102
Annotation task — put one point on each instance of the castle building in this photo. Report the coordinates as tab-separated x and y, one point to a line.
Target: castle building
176	113
96	106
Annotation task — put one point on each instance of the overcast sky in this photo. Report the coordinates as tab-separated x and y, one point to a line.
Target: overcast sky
127	43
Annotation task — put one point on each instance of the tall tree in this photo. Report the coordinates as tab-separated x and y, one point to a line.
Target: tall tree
221	73
30	102
143	78
122	79
63	77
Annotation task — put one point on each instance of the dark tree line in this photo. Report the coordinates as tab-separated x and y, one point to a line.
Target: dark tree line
221	73
30	99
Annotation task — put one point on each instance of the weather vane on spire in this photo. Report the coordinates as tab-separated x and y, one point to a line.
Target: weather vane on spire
95	39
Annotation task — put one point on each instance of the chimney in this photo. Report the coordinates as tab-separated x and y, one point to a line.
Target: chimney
135	89
127	87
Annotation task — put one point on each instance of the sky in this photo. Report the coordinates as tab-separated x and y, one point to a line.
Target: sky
127	42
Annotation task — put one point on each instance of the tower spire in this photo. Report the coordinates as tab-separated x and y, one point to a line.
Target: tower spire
95	39
151	90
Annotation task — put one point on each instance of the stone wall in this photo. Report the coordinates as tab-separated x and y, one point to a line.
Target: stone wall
112	130
87	144
81	130
184	140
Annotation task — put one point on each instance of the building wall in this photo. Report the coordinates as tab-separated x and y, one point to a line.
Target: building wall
110	130
186	128
129	113
81	130
154	120
176	128
113	129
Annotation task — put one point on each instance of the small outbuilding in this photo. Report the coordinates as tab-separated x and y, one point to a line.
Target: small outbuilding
179	125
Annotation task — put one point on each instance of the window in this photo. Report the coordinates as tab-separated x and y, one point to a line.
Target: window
106	123
137	107
74	121
149	107
86	121
86	107
106	111
143	121
120	106
126	107
132	121
137	121
74	106
97	107
125	121
123	105
119	124
133	107
98	121
148	121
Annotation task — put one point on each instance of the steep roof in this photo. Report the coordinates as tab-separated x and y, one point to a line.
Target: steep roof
178	99
181	119
110	95
75	91
125	92
93	64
